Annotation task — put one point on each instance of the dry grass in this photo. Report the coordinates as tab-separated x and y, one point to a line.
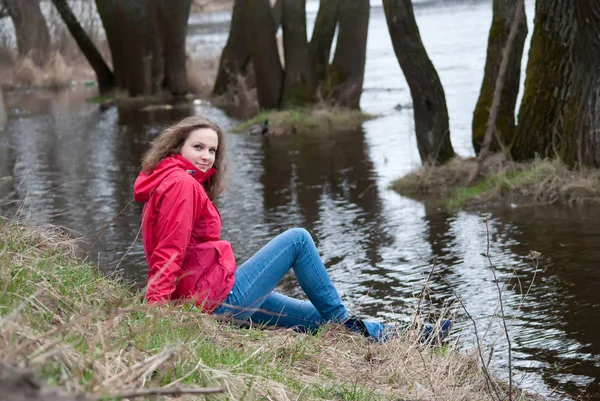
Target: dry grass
55	74
88	334
58	73
539	181
66	63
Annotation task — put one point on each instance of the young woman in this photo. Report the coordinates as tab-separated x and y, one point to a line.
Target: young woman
182	174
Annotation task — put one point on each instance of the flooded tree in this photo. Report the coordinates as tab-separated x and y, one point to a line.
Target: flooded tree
104	75
31	31
503	14
322	36
307	76
263	52
587	82
147	44
429	101
235	58
344	80
236	55
559	112
300	82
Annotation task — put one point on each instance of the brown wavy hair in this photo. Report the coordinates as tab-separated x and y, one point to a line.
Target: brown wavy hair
172	139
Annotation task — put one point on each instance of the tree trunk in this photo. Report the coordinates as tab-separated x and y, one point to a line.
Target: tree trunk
587	58
277	11
147	43
103	74
235	56
429	101
178	12
135	51
33	38
263	52
503	15
109	15
344	80
322	37
156	10
549	107
299	80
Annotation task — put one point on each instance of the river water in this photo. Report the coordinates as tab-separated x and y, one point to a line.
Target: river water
74	166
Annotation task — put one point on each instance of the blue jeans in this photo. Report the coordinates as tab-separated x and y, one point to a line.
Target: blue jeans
252	298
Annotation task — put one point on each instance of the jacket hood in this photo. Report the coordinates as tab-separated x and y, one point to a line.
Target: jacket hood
147	182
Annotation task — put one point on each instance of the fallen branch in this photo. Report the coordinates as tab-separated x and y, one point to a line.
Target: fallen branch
176	391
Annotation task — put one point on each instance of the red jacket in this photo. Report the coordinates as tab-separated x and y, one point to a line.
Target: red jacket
181	231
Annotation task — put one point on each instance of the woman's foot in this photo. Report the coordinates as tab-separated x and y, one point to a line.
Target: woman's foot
379	332
435	334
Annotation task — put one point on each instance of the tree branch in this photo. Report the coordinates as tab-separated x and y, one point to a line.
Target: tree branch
489	382
489	258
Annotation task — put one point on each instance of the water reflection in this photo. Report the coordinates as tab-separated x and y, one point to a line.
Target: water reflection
329	181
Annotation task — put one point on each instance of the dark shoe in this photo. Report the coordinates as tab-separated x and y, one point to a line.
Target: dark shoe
435	334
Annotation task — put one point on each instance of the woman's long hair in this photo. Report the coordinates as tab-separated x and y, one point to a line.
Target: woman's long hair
172	139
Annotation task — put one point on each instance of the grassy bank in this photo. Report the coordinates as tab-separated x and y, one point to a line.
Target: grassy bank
88	334
502	181
306	121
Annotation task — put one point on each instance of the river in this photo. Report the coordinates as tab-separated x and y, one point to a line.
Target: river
74	166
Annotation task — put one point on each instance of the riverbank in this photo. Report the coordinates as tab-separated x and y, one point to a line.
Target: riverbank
502	181
88	334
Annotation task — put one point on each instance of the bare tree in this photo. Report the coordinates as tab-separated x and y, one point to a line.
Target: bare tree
147	44
344	80
261	31
559	113
322	36
299	79
587	58
429	101
307	69
504	125
499	85
103	73
33	37
235	56
176	14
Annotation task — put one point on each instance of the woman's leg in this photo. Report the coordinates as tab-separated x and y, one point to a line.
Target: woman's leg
256	279
283	311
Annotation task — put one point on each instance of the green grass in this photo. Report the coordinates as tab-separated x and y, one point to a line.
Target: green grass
100	99
85	333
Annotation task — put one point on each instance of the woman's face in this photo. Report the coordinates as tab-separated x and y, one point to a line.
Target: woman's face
200	148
